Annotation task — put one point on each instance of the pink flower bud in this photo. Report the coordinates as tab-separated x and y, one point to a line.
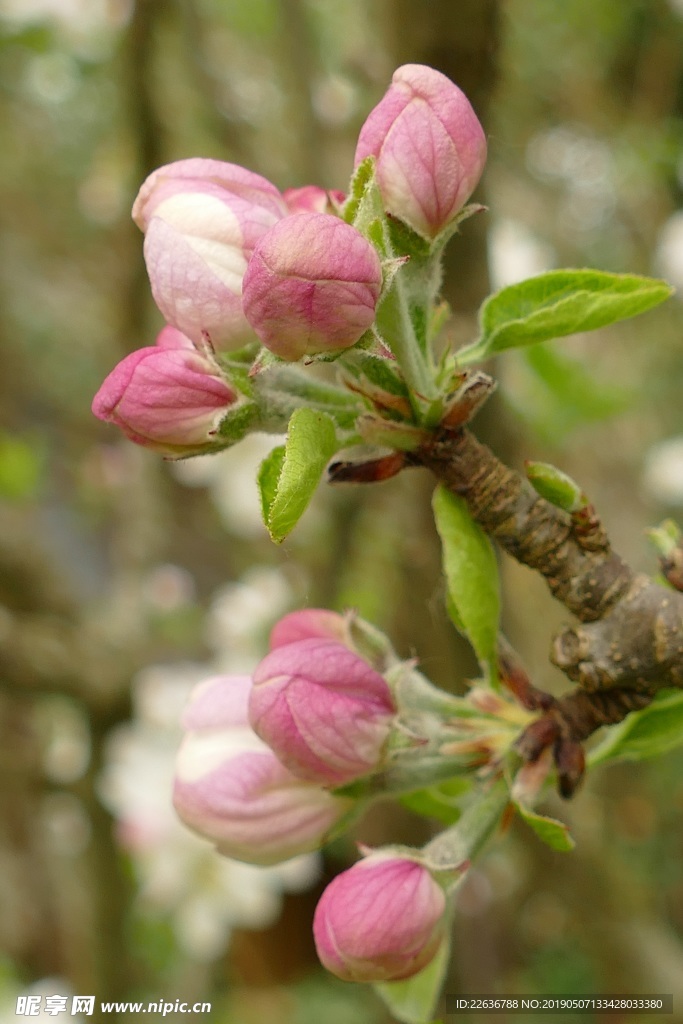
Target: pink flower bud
312	199
231	789
325	711
429	146
168	397
312	286
306	624
201	220
382	920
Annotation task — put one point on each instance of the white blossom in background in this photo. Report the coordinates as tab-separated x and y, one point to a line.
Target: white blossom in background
231	478
663	473
206	896
241	615
515	253
669	248
45	989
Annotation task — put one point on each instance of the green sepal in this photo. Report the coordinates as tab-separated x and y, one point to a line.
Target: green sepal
281	389
238	422
471	572
362	177
559	303
555	486
290	474
414	1000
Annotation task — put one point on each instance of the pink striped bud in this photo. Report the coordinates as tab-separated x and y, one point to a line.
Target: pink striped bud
201	220
231	789
168	397
382	920
429	146
312	286
307	624
325	711
312	199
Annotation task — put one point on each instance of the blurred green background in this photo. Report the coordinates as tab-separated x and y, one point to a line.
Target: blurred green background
124	579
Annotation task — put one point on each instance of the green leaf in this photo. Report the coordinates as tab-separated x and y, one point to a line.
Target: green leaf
655	730
553	832
414	1001
471	572
290	474
559	303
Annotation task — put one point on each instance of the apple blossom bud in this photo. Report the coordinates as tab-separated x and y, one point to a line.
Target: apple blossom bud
231	789
382	920
168	397
325	711
429	146
312	286
201	220
312	199
306	624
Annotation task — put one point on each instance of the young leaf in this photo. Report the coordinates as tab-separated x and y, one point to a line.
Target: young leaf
555	486
471	572
559	303
655	730
553	832
414	1000
290	474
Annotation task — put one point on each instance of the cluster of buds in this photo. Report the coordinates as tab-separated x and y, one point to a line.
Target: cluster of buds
275	764
235	264
262	754
246	276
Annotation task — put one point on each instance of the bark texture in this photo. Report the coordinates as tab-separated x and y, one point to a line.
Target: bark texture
628	643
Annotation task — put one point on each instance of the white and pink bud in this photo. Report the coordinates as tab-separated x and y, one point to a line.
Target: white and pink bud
202	219
312	199
306	624
324	710
312	286
168	397
231	789
429	146
382	920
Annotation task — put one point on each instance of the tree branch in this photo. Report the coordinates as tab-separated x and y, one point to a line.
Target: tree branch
629	641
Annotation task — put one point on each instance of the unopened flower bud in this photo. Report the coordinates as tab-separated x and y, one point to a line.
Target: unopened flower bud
325	711
382	920
231	789
201	220
168	397
307	624
312	199
429	146
312	286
